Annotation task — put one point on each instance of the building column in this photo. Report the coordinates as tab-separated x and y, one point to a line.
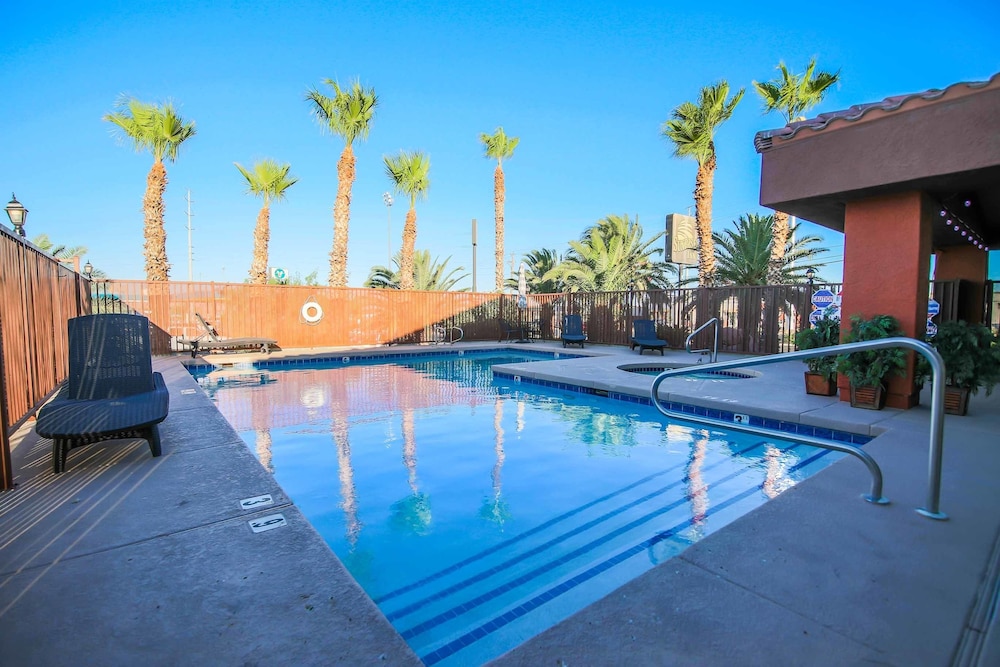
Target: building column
887	248
968	264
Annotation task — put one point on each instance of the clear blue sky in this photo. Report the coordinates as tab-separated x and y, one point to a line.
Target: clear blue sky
585	85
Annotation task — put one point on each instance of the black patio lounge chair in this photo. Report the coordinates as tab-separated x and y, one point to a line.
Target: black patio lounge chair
111	393
572	331
644	336
211	340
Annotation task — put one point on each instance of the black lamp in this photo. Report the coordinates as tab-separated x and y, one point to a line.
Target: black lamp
17	214
88	269
810	275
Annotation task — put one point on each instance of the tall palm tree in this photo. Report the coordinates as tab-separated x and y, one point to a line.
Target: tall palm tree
743	254
791	95
158	129
611	256
410	174
349	115
498	146
428	275
691	128
268	180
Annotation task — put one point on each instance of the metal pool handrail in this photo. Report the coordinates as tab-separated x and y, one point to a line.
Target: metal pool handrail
932	510
715	343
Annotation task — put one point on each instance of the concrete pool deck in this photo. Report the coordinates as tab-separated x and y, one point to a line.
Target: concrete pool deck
126	559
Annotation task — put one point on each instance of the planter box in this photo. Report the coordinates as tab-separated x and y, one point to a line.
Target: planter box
818	384
869	398
956	401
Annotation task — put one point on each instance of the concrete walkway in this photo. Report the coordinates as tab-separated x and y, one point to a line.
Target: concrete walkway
126	559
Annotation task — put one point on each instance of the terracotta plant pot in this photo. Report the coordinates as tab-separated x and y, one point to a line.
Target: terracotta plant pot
869	398
956	401
818	384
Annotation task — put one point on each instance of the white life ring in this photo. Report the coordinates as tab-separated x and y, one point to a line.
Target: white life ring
312	312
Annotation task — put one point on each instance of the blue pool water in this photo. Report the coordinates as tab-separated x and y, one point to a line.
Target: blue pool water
478	511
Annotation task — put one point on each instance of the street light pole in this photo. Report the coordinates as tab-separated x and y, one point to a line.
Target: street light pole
387	198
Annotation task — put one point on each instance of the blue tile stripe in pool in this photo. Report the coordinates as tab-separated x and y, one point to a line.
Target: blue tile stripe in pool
352	357
488	596
495	624
486	574
792	428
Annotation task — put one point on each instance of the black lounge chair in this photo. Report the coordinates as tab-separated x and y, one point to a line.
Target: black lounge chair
111	392
572	331
509	330
211	340
644	336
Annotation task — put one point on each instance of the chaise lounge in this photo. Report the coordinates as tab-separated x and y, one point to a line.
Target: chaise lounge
644	336
216	342
111	393
572	331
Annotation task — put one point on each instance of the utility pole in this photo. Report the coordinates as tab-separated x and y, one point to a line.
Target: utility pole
473	255
190	248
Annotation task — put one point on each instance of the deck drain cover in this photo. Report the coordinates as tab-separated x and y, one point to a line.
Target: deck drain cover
188	391
267	522
256	501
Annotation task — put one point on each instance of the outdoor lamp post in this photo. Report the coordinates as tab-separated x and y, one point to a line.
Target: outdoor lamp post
88	269
17	214
387	198
810	275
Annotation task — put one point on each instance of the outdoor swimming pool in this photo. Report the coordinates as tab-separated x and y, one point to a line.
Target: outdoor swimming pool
478	511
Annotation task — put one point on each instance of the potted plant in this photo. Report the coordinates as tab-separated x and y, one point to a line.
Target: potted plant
971	362
821	378
868	370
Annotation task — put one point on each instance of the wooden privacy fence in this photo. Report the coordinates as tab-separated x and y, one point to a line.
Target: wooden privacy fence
38	295
754	319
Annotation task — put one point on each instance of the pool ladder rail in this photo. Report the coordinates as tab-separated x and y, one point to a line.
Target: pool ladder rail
932	509
714	351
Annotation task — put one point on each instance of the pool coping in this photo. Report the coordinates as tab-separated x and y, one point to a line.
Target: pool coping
799	570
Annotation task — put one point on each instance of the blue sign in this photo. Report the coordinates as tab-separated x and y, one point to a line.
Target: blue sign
815	316
278	273
933	308
822	298
931	328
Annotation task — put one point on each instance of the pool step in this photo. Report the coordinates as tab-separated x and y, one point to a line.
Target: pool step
581	557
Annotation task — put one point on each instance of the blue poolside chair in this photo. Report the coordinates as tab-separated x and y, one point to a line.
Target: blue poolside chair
111	392
572	331
644	336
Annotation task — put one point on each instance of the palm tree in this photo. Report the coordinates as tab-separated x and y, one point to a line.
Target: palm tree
691	128
498	146
268	180
791	94
60	252
743	255
611	256
537	265
410	174
348	114
428	275
158	129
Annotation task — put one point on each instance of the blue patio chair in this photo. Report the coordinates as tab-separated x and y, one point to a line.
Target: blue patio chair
111	392
644	336
572	331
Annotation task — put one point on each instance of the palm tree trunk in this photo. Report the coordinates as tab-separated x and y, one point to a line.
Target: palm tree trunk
779	234
498	197
704	185
155	249
261	238
342	217
406	255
